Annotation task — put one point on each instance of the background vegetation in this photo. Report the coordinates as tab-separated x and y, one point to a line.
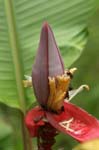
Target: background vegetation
88	72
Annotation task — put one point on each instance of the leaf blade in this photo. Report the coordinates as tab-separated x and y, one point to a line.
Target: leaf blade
69	22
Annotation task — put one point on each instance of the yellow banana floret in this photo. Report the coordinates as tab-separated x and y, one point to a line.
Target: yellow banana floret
58	89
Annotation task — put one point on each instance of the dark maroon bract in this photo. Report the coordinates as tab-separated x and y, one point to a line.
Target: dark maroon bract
48	63
51	86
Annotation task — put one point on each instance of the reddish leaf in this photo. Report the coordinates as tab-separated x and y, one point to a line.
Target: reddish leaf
48	62
82	125
34	120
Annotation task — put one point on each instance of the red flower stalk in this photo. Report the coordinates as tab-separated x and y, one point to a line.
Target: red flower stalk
51	87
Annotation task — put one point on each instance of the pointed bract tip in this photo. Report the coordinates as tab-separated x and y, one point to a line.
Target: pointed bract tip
45	24
45	27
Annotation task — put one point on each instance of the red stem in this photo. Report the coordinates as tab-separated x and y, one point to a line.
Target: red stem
46	137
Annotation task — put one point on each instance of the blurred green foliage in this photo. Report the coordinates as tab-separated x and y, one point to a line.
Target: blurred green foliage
88	73
88	70
6	139
10	129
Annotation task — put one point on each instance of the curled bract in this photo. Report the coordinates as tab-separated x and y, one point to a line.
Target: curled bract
34	119
73	121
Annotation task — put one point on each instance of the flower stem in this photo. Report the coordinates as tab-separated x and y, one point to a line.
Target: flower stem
27	142
46	137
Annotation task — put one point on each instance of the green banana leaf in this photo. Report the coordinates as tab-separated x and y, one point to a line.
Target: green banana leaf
5	136
20	23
